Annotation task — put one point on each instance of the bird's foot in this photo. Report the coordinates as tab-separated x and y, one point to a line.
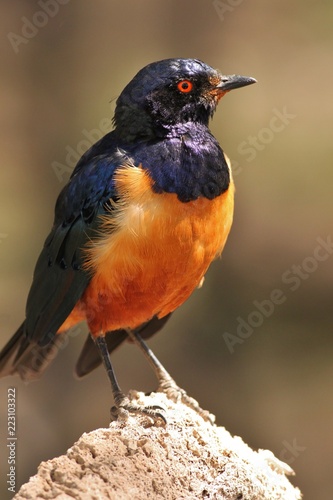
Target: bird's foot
176	393
124	407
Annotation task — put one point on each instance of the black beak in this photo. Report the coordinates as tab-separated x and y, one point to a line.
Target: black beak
234	82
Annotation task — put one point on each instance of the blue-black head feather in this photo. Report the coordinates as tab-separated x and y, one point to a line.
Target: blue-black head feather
152	102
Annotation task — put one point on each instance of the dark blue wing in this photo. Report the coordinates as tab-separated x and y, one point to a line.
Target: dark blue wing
59	278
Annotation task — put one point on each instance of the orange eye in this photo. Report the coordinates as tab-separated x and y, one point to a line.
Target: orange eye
185	86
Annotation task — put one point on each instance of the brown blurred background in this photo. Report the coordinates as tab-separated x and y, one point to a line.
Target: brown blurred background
58	83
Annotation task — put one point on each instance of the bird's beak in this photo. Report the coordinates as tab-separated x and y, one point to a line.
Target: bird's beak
231	82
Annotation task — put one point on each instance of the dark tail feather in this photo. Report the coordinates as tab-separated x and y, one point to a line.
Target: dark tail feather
28	360
90	359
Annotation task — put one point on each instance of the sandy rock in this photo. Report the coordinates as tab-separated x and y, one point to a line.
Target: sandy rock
188	458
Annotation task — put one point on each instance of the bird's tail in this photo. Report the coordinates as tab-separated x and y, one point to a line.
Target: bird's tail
22	357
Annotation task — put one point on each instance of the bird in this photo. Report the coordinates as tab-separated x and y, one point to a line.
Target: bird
146	210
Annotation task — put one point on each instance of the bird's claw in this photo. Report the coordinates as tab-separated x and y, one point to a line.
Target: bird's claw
176	394
125	407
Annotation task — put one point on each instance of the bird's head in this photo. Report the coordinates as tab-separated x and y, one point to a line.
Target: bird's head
170	92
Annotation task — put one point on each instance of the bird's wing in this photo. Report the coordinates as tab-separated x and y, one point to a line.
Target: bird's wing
60	278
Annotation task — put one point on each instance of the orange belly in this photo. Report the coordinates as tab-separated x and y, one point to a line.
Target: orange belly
153	253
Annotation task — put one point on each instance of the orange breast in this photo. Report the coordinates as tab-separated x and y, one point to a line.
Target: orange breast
154	253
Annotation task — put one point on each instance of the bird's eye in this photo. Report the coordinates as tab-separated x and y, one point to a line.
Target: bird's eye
185	86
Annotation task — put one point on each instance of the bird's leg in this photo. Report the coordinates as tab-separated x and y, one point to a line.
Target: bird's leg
123	405
166	383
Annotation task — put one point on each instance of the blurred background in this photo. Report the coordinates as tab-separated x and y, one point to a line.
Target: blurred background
260	359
